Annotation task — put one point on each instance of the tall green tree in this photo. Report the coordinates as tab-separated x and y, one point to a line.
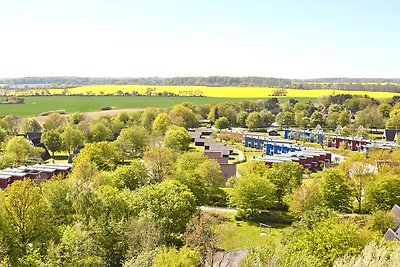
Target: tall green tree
31	125
183	116
177	138
18	150
252	192
102	154
286	176
28	214
99	132
54	121
71	138
200	174
133	141
160	162
52	140
241	118
162	122
169	204
334	190
253	121
176	258
285	119
383	193
222	123
131	176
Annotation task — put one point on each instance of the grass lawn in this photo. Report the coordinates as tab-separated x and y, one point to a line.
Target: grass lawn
34	105
247	235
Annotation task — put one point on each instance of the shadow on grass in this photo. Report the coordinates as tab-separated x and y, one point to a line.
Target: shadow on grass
276	219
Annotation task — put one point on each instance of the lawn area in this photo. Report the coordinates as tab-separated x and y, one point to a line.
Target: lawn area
35	105
213	91
247	235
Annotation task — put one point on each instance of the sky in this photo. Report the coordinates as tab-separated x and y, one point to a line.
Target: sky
147	38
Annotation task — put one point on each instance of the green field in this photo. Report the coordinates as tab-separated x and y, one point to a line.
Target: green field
34	105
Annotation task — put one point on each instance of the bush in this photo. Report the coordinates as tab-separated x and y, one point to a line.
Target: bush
106	108
218	197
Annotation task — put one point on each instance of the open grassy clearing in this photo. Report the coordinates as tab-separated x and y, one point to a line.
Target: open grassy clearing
246	235
34	105
235	92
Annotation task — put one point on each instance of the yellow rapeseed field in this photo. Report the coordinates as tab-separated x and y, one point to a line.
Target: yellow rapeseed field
239	92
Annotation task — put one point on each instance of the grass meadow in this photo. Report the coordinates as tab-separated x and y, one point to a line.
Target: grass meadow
34	105
209	91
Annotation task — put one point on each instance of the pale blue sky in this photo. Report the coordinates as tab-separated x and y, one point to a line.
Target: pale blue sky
278	38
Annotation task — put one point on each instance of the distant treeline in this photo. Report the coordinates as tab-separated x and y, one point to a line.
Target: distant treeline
361	84
228	81
373	87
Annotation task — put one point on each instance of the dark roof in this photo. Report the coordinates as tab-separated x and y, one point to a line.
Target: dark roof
33	135
45	155
71	157
390	134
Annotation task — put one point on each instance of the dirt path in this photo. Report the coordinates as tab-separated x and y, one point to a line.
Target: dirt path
216	209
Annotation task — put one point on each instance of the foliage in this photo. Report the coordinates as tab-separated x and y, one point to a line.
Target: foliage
198	173
201	236
222	123
253	121
177	138
183	116
273	253
329	239
377	255
31	125
162	122
71	138
52	140
335	193
131	176
160	162
28	214
54	121
18	150
381	221
304	198
169	204
184	257
286	177
133	141
383	193
253	192
103	154
99	132
77	248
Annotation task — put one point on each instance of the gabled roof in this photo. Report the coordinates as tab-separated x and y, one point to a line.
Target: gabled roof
390	235
396	212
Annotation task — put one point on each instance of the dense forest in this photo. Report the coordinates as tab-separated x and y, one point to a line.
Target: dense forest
362	84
